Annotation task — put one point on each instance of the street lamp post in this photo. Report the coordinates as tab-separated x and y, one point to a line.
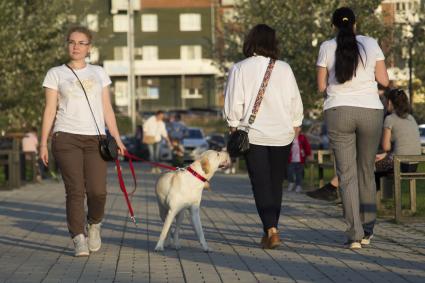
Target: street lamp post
410	65
131	80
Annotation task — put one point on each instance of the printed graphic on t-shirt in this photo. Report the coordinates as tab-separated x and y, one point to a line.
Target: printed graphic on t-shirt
73	88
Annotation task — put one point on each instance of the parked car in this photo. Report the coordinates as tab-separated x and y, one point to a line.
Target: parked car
194	144
216	141
422	134
164	151
134	147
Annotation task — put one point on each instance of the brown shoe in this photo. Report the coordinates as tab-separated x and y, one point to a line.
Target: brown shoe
274	241
271	240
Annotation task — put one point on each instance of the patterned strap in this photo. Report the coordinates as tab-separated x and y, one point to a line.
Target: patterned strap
262	91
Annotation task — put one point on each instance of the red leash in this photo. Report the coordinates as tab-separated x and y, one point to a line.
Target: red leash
156	164
121	179
124	191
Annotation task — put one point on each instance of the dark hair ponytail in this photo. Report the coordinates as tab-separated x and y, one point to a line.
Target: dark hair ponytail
347	52
400	102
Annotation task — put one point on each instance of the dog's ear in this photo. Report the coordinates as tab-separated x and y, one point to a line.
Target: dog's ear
205	164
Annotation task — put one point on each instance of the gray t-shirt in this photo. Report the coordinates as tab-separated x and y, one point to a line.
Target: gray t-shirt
404	134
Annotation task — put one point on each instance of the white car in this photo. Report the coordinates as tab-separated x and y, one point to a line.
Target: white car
422	134
194	144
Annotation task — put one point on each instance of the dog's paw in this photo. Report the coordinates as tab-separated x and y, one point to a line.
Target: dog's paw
177	246
208	250
159	248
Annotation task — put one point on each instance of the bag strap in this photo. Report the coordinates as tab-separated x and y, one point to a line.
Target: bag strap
87	98
261	91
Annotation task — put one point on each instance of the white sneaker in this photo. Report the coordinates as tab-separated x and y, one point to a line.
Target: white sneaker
233	170
298	189
353	245
366	239
93	239
80	244
291	186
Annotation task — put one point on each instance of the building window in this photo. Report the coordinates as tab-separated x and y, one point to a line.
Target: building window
120	23
92	22
121	94
191	52
94	55
190	22
192	88
150	52
122	5
149	89
120	53
138	53
149	22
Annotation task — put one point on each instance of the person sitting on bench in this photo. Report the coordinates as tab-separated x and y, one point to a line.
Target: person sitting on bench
399	137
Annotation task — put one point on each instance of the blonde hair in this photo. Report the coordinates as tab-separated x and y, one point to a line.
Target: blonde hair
80	29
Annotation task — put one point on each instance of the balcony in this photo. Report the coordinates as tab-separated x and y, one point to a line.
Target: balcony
162	67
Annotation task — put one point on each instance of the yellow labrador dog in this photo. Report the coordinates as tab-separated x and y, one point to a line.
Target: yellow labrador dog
180	190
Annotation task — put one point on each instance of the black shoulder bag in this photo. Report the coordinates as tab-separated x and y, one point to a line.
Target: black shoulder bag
107	145
238	143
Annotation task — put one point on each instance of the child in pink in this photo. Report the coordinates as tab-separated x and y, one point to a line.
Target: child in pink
300	150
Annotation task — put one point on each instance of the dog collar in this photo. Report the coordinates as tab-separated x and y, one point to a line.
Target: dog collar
196	174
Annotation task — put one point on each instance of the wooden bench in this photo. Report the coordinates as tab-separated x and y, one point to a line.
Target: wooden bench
14	162
322	159
10	159
31	159
412	177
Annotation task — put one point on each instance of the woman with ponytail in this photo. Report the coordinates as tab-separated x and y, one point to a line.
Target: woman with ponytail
401	131
348	70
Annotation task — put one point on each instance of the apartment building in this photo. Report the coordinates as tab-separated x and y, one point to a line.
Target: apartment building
173	51
404	13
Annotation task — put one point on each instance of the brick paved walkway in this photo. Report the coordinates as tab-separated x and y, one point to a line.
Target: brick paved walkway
35	246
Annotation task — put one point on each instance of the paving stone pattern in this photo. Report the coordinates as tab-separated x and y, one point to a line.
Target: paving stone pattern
35	245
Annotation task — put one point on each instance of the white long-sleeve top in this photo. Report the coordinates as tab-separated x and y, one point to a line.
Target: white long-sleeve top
156	128
281	109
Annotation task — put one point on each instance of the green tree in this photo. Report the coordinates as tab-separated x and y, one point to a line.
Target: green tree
31	41
301	26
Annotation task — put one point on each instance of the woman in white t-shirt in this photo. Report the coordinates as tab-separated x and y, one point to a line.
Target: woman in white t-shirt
75	142
348	69
272	132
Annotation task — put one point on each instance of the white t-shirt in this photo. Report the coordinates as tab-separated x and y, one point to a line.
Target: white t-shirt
73	114
362	89
153	127
281	109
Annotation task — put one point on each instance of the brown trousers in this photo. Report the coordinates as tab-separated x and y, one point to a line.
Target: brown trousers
84	173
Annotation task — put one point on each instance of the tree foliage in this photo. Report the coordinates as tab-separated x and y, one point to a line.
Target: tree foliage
31	41
301	26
